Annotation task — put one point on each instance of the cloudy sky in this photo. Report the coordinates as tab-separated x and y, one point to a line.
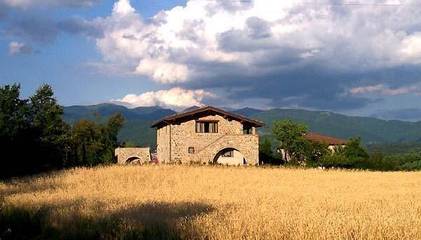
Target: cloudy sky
358	57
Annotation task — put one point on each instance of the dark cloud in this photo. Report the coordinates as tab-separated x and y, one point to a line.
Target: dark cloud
309	85
80	26
76	3
34	28
258	28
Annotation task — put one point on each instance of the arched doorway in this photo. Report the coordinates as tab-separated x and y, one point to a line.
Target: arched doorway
133	160
229	156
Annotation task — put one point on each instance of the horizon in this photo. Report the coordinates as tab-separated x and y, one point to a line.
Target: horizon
359	59
245	107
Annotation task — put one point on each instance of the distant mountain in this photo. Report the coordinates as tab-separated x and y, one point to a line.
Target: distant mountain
247	111
136	129
93	112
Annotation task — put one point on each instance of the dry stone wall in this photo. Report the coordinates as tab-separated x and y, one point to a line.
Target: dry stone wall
138	155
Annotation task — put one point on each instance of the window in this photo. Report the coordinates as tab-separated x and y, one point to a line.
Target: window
206	127
229	153
191	150
247	129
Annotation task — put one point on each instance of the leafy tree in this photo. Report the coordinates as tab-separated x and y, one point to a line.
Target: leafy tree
94	143
47	120
291	138
353	155
265	150
86	143
35	138
266	147
15	132
354	150
315	152
14	112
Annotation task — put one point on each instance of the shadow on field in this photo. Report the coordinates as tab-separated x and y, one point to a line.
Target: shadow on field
67	221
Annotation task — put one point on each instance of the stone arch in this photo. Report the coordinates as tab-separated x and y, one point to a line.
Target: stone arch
235	158
132	155
133	160
216	149
242	144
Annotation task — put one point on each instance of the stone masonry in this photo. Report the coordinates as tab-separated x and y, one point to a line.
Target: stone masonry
133	155
174	140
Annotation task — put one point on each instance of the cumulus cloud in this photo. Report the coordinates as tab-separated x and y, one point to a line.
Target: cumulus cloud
16	48
173	98
280	50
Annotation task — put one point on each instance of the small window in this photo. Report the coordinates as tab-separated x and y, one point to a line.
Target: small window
247	129
206	127
191	150
229	153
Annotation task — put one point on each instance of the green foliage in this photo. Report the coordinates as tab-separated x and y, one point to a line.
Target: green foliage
34	136
315	151
353	155
354	150
94	143
266	153
291	138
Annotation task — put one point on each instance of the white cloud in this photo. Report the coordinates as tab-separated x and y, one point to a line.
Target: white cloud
185	42
384	90
411	48
173	98
19	48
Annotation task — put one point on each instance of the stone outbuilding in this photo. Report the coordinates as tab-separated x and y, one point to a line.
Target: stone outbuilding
208	135
133	155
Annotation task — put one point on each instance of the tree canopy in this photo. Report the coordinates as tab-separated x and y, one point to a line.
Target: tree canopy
34	136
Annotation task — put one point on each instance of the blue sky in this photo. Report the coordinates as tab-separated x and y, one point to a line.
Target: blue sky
361	58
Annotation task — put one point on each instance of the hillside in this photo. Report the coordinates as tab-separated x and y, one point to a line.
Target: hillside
138	120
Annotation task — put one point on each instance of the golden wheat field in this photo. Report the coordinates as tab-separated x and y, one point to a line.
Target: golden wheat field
210	202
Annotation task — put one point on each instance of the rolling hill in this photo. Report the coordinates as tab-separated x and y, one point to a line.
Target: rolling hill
137	131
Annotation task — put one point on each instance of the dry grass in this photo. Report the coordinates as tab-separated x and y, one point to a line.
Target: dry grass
226	202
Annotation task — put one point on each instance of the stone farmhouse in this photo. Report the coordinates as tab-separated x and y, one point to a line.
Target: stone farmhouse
207	135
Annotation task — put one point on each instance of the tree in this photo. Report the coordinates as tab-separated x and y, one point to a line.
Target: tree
93	143
291	138
14	112
316	151
265	150
47	120
353	150
15	132
353	155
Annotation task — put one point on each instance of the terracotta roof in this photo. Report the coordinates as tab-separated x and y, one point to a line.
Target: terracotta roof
204	110
316	137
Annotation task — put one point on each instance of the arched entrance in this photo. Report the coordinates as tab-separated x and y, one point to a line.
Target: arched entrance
133	160
229	156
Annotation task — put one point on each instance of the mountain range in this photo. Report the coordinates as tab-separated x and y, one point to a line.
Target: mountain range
136	130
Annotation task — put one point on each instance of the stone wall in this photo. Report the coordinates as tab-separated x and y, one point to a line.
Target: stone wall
163	143
173	141
133	155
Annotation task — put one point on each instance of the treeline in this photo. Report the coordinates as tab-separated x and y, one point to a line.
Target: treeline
289	146
35	138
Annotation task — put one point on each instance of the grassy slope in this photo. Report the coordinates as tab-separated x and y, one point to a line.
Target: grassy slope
206	202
